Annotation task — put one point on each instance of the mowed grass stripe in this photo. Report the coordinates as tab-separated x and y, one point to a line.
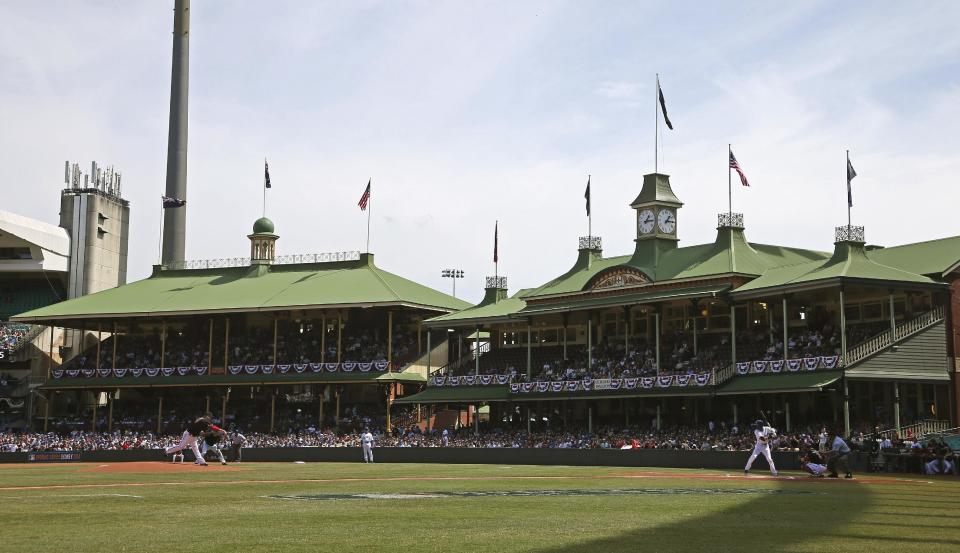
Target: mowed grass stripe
178	509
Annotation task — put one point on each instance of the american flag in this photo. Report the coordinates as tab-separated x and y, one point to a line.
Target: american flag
736	166
365	199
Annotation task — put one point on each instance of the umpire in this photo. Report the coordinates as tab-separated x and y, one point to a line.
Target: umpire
839	453
236	442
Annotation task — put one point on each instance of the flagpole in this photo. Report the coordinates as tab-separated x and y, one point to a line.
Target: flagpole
160	238
496	254
264	187
729	187
590	216
656	124
369	211
846	170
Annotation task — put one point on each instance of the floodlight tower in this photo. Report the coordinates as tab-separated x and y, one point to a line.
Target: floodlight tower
452	274
175	220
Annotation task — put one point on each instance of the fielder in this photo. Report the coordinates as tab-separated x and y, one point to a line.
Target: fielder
366	441
765	435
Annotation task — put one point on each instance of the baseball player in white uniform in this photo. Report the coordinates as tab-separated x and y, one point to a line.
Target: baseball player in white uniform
366	442
764	435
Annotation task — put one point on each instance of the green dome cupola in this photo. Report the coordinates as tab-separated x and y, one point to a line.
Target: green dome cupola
263	242
263	226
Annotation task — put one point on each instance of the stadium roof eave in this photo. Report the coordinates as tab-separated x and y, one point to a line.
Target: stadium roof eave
166	314
97	383
636	298
779	383
490	394
466	321
641	287
830	282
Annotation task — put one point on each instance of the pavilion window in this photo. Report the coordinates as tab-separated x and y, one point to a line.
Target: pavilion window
852	311
571	334
873	311
639	325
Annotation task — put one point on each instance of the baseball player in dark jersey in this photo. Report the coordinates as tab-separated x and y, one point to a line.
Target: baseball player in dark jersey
211	440
194	430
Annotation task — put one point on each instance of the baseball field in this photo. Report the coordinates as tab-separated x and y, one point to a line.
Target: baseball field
281	507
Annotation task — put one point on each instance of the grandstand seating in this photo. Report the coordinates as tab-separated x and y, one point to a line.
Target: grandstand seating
254	346
676	354
14	335
20	295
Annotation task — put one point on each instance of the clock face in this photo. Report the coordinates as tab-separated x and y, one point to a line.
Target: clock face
667	221
645	221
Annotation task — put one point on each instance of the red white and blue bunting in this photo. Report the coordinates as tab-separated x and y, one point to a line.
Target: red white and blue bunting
121	373
601	384
792	365
470	380
379	366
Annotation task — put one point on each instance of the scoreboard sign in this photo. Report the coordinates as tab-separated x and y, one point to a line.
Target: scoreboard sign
53	456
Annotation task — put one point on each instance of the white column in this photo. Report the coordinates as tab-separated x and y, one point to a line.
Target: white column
656	338
896	407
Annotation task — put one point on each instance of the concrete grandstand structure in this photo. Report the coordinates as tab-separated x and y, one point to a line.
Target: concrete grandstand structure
42	264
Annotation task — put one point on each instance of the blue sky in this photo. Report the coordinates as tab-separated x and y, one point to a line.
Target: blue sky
465	113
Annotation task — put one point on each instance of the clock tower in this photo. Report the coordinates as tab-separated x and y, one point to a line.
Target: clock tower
656	211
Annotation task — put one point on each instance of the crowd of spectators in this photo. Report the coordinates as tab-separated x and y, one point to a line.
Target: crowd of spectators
296	343
613	358
710	437
11	335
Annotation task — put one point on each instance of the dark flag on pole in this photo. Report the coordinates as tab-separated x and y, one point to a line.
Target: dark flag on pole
663	106
736	166
586	196
365	199
496	241
172	202
266	174
850	174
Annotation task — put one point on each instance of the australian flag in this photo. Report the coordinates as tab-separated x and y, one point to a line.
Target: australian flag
169	202
850	174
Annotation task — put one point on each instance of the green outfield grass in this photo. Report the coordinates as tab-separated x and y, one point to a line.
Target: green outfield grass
82	508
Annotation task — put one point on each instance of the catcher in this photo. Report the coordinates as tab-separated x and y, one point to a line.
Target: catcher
211	441
812	463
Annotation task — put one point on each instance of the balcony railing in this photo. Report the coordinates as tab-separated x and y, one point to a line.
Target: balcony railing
498	282
227	262
901	331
